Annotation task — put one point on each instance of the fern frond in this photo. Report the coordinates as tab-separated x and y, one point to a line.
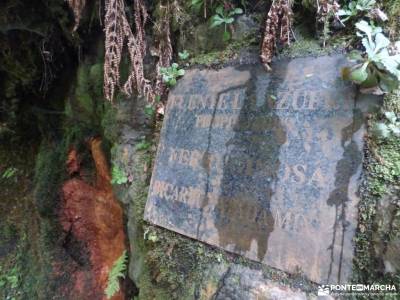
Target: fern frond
117	272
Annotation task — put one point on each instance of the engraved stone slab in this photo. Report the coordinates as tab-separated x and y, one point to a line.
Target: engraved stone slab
264	164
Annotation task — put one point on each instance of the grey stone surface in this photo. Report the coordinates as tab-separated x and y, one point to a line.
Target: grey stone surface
387	250
244	26
244	283
216	280
202	39
264	164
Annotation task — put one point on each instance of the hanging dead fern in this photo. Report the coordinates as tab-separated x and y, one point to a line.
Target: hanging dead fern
164	50
137	51
77	7
118	32
278	27
326	10
114	41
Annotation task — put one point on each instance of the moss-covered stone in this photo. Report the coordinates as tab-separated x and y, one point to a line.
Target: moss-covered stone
231	52
379	216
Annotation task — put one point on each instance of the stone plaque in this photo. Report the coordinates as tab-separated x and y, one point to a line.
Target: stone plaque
264	164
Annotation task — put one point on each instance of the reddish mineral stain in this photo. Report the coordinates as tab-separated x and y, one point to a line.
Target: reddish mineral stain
93	216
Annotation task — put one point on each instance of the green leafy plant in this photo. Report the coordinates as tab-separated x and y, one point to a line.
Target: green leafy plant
149	110
117	272
377	69
170	74
197	5
355	8
150	236
9	172
388	128
12	278
143	145
224	17
118	176
184	55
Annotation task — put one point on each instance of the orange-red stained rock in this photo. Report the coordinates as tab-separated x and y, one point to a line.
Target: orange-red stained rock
95	218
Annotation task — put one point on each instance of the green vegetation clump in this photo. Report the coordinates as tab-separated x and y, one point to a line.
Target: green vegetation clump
224	17
355	9
231	51
381	179
49	172
392	7
377	68
118	175
8	173
171	74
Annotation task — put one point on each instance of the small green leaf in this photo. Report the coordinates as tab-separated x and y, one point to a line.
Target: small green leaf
343	12
8	173
149	110
229	20
166	78
183	55
370	82
181	72
381	130
369	47
391	116
237	11
364	27
359	74
381	42
390	63
143	145
395	129
226	36
220	10
172	82
216	21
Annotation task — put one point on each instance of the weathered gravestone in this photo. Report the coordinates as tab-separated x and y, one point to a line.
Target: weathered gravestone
264	164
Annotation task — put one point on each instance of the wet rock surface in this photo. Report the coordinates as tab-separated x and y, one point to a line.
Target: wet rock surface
388	251
264	164
92	220
244	283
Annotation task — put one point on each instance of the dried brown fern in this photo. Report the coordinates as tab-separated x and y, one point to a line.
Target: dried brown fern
278	27
118	31
77	7
114	40
137	51
326	10
162	29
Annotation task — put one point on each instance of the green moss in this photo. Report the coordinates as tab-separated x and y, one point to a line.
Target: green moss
82	93
48	176
382	174
108	122
304	47
96	79
392	8
230	52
